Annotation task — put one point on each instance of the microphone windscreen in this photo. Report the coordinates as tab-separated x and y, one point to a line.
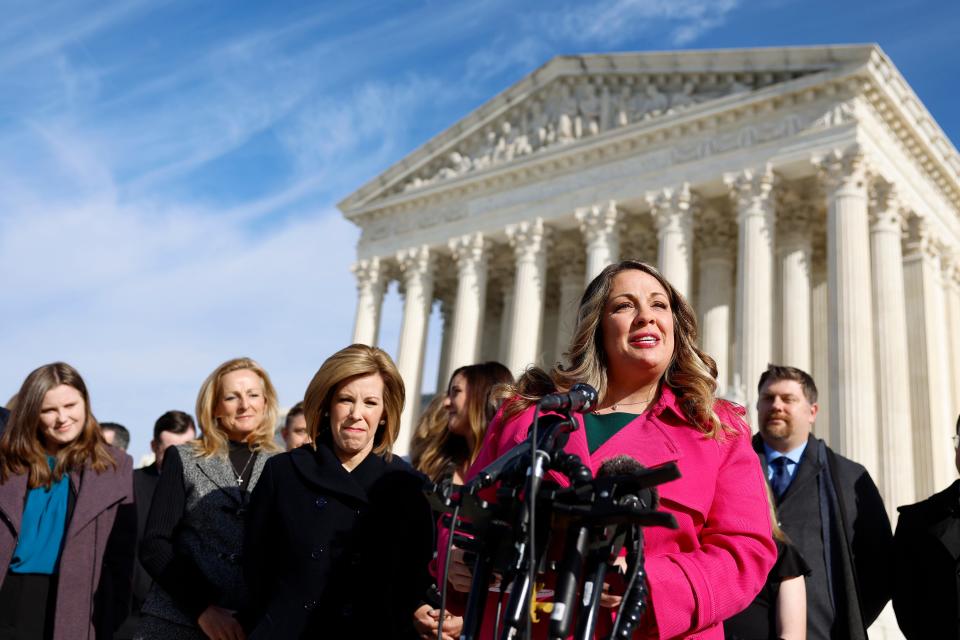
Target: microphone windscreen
622	465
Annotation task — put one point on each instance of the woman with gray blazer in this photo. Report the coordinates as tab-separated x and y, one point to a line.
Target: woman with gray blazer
194	533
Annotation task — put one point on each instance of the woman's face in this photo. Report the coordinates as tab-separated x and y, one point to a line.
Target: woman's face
637	325
63	415
242	404
456	404
355	413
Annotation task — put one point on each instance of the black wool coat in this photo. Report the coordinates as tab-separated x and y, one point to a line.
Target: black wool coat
336	554
926	590
834	510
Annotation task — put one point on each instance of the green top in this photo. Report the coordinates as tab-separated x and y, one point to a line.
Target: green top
601	428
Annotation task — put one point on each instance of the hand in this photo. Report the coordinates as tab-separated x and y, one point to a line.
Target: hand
607	599
218	623
460	575
426	619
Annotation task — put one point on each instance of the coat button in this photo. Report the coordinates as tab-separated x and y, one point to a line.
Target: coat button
310	605
321	502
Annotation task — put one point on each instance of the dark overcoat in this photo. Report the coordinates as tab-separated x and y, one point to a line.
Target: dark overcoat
927	566
336	554
93	583
833	510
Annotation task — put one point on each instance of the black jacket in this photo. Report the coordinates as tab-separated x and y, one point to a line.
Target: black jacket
336	554
926	583
833	509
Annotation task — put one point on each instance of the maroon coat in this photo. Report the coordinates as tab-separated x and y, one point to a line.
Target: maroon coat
96	564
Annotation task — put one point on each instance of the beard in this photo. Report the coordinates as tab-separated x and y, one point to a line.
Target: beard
778	428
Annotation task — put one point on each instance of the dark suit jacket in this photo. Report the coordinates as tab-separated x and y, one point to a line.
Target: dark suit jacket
858	541
97	558
926	563
334	554
4	416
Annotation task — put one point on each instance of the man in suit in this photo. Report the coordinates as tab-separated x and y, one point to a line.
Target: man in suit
4	416
172	428
926	563
829	507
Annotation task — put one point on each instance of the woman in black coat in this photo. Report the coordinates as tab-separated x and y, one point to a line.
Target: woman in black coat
339	536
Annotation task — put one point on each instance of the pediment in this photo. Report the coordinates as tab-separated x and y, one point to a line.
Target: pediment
574	98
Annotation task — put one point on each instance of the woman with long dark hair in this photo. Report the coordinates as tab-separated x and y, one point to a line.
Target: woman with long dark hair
470	404
66	497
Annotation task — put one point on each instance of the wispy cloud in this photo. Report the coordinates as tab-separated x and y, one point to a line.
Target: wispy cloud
613	22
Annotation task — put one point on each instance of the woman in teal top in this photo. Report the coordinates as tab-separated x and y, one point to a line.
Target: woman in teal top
66	500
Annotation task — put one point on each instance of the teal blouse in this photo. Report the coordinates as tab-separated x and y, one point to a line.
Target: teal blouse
42	527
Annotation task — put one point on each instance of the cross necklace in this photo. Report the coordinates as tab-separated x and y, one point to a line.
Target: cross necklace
243	471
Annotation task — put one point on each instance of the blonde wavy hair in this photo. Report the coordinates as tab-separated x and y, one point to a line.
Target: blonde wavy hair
213	440
352	362
691	374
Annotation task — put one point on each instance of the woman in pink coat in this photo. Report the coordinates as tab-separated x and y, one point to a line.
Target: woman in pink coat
635	342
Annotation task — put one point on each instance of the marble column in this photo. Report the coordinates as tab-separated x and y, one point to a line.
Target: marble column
506	319
416	266
717	268
926	342
528	240
571	288
672	214
893	379
446	340
794	252
853	424
820	339
753	197
599	227
371	284
951	276
470	253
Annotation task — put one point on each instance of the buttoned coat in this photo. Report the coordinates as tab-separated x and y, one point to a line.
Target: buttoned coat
336	554
926	584
717	560
835	510
96	564
208	536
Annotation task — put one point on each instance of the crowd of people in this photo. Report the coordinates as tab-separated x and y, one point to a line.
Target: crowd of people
228	536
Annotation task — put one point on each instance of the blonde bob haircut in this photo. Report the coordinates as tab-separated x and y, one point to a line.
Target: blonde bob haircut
691	373
355	361
213	439
22	448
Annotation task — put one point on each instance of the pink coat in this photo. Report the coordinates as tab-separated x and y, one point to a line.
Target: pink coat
716	562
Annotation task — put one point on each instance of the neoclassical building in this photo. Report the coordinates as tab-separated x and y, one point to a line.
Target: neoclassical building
802	198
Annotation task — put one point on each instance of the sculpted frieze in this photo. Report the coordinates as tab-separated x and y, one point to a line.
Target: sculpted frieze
565	111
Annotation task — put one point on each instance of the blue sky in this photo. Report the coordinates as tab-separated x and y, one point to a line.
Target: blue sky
169	170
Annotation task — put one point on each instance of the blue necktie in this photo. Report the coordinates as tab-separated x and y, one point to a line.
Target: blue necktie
781	479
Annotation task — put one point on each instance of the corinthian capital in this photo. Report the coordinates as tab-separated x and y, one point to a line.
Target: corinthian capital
528	239
369	274
416	265
469	250
886	209
842	168
751	190
671	208
598	222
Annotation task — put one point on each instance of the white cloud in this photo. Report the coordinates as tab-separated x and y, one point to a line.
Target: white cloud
612	22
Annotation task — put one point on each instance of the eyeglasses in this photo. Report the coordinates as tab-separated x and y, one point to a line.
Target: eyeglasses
956	441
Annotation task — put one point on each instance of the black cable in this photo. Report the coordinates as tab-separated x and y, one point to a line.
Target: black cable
446	572
533	517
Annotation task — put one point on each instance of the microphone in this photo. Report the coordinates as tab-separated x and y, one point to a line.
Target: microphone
624	465
581	398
